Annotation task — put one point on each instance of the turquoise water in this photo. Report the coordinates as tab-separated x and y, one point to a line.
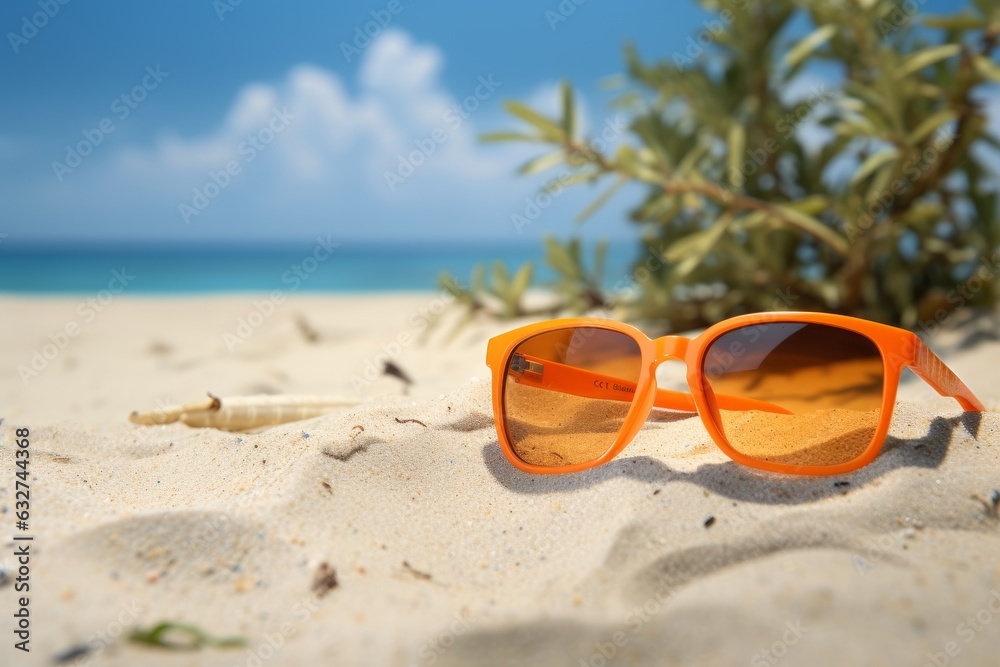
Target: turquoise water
349	268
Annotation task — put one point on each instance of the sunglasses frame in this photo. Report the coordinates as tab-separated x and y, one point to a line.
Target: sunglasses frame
899	349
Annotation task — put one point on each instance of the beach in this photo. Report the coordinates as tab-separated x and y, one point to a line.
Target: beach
394	532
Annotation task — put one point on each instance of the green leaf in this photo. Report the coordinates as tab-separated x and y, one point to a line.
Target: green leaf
629	99
692	249
987	7
522	279
873	162
810	43
814	228
542	163
448	283
613	82
987	68
601	199
635	164
811	204
737	144
687	165
178	636
569	112
955	22
563	180
879	185
929	124
927	57
600	259
500	278
560	259
495	137
850	104
548	129
477	282
855	126
694	242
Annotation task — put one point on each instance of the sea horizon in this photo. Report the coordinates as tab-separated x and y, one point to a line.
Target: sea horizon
322	265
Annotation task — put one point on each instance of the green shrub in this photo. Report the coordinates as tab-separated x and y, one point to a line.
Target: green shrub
867	193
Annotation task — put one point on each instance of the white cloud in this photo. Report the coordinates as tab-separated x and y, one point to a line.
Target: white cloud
395	63
327	169
337	139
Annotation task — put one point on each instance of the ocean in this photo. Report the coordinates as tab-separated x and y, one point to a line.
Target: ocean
306	267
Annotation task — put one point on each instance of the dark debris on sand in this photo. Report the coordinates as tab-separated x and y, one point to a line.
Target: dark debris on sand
325	580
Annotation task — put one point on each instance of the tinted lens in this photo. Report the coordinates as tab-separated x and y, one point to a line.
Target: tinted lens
820	388
567	392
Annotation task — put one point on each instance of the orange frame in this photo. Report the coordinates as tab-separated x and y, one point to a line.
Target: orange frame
899	349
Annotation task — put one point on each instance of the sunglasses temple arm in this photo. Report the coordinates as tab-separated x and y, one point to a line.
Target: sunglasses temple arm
551	375
929	367
681	400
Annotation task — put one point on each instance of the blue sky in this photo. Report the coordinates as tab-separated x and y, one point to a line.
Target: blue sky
251	125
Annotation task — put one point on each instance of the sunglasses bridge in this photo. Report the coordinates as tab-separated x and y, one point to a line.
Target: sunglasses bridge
671	347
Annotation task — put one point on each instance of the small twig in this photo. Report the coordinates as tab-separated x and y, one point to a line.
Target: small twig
390	368
71	653
306	329
410	421
415	572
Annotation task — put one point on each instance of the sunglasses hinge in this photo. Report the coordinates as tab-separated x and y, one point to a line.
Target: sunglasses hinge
519	364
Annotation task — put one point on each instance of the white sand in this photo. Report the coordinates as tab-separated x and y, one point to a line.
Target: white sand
444	553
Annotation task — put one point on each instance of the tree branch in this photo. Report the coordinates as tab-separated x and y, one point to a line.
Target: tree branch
731	200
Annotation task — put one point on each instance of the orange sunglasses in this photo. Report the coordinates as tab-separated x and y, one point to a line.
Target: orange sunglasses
797	393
